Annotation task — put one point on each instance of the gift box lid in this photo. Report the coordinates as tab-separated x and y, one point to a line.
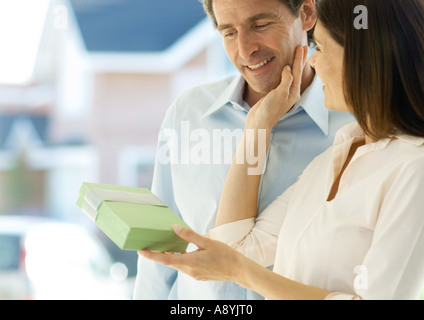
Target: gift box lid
133	218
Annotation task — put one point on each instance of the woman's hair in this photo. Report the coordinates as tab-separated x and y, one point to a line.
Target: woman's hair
383	64
293	5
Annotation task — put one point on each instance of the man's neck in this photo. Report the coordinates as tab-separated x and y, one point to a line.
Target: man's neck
252	97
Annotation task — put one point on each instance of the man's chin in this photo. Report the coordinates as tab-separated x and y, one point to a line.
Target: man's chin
264	89
263	84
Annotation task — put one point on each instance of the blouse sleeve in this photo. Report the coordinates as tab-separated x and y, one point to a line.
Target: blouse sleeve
257	237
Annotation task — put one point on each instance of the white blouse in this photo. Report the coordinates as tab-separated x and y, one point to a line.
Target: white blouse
367	243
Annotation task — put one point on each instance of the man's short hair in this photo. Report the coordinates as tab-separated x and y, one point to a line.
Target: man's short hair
293	5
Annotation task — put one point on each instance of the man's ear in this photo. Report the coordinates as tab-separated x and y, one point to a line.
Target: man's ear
308	14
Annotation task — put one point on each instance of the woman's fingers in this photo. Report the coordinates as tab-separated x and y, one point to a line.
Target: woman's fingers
191	236
291	78
298	64
286	81
211	263
163	258
168	258
305	55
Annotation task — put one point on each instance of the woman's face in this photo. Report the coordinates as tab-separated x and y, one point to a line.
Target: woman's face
327	61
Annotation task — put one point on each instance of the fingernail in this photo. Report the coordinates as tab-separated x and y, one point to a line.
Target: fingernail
177	228
288	67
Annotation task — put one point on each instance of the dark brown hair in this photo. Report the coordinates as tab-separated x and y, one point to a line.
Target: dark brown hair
383	65
293	5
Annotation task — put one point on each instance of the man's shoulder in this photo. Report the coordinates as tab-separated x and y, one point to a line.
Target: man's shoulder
195	102
206	92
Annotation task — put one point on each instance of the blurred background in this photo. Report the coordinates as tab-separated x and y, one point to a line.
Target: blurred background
84	86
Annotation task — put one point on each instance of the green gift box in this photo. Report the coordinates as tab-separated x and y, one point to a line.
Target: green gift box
133	218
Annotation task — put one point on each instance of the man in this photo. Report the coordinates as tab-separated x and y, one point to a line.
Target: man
201	130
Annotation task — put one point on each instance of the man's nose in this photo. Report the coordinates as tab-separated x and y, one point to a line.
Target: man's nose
248	44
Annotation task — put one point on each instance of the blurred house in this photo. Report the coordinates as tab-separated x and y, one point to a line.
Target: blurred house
105	73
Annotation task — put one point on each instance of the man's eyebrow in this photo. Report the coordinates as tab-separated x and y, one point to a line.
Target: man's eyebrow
266	15
254	18
224	26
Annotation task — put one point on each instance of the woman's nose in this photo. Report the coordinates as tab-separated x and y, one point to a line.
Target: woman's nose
312	59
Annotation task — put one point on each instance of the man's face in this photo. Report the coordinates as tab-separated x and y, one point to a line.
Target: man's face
260	37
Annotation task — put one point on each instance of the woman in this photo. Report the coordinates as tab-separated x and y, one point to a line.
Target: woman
352	227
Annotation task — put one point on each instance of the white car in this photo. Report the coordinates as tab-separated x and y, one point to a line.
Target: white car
45	259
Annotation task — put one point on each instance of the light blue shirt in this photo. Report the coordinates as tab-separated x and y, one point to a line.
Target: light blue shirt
197	141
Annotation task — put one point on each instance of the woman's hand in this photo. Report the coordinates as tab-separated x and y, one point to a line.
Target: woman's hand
213	260
269	110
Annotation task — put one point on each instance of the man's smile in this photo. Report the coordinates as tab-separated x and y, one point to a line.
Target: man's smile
260	64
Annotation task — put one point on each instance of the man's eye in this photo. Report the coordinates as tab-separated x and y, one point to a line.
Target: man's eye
229	34
262	25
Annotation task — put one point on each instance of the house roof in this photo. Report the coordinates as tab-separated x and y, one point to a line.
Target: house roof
27	128
134	26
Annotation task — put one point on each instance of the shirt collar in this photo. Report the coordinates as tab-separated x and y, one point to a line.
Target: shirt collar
416	141
233	95
312	101
348	132
354	131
